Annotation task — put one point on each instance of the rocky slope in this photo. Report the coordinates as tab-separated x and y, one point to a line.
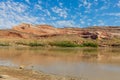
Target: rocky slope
37	31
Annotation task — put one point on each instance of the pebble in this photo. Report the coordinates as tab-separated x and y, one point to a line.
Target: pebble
21	67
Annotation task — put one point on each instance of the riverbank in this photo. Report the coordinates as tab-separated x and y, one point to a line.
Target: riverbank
10	73
60	41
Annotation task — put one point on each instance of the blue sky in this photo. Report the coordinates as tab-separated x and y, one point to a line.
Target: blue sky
60	13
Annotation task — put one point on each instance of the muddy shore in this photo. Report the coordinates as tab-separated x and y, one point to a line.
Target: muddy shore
10	73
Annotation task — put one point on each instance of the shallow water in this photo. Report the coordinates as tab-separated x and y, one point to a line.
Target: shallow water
89	63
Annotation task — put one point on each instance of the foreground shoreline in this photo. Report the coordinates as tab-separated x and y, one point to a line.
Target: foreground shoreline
11	73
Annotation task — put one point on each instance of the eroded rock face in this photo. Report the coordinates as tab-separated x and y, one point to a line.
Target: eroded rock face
22	26
95	35
37	30
103	35
13	34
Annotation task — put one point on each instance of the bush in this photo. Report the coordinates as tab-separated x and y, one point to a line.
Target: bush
64	44
4	44
90	44
21	43
32	44
35	44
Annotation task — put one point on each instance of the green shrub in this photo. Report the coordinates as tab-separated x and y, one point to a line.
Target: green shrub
4	44
64	44
21	43
32	44
89	44
35	44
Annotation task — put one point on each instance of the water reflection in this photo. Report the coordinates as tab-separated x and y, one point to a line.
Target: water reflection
92	63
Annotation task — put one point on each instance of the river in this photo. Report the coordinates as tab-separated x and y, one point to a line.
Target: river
89	63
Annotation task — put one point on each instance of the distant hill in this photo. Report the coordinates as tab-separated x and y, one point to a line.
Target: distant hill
37	31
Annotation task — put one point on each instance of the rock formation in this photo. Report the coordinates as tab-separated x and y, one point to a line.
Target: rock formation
37	31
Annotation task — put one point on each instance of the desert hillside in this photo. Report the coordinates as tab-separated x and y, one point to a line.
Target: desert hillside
49	36
37	31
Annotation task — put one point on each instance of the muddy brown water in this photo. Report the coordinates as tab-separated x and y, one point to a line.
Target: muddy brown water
89	63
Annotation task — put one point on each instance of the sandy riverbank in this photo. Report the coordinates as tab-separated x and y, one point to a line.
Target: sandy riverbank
8	73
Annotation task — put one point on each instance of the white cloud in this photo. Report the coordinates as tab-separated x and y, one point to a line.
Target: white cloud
118	4
95	0
103	8
61	12
66	23
60	4
87	4
82	22
48	13
13	6
54	18
28	1
12	13
101	23
112	14
80	5
38	6
90	20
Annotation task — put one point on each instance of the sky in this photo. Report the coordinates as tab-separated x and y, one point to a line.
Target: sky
60	13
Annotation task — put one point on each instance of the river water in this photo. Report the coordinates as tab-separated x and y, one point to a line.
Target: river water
88	63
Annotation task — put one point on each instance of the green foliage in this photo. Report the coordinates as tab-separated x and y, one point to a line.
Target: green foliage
21	43
35	44
64	44
89	44
31	44
4	44
71	44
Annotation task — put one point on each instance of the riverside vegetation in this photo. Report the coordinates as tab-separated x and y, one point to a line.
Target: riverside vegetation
60	41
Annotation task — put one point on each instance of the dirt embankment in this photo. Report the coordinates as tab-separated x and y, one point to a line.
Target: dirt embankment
37	31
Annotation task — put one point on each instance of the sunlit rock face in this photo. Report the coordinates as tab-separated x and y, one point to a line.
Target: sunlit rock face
37	29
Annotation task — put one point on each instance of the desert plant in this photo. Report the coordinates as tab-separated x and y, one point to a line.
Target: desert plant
89	44
35	44
4	44
21	43
63	44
